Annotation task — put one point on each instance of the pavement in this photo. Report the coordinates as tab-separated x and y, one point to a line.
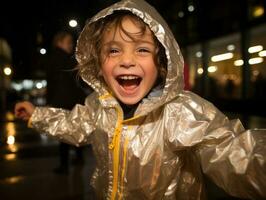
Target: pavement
27	166
27	161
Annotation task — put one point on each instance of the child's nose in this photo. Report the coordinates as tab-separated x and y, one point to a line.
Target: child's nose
127	60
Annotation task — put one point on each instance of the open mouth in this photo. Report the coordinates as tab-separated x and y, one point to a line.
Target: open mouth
129	82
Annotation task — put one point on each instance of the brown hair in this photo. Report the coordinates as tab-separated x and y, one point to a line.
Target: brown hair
94	36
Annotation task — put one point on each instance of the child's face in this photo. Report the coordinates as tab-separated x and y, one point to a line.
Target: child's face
127	65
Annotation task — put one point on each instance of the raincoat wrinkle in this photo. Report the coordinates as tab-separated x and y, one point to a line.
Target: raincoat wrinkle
173	138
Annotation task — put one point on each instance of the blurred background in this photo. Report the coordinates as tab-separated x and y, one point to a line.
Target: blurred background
223	44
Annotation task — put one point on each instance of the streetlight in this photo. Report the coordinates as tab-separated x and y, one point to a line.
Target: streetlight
10	140
42	51
73	23
7	71
39	85
191	8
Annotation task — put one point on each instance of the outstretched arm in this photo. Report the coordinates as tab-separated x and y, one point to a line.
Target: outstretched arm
235	159
73	127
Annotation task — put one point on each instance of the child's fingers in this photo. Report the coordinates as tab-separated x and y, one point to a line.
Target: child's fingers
23	110
17	113
20	114
23	115
19	110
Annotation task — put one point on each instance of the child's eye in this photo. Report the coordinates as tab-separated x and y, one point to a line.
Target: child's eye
113	51
143	50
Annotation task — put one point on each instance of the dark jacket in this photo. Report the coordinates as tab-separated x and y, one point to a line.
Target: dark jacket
62	84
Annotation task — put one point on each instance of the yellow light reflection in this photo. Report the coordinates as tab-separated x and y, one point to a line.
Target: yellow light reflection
10	128
212	69
258	11
221	57
11	156
254	61
255	49
13	148
11	132
262	53
10	116
238	62
14	179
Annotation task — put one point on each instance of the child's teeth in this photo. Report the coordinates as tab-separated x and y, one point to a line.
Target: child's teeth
128	77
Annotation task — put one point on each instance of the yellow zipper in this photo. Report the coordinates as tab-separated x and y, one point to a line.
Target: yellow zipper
124	166
115	146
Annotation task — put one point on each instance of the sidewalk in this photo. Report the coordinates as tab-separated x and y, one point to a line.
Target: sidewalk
26	167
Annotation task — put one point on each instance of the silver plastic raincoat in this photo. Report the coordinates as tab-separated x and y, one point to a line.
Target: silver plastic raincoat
173	139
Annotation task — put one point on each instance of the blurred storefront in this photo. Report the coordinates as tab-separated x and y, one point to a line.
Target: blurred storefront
224	47
225	66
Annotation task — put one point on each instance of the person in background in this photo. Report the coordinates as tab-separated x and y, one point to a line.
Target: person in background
63	88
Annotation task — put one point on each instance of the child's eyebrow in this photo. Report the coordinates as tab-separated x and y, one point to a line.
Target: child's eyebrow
113	42
144	41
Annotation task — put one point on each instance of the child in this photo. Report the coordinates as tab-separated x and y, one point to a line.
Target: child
151	139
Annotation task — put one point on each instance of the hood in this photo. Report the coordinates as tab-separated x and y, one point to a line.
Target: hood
174	79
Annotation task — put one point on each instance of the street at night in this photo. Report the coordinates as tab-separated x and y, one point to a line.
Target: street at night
27	167
142	103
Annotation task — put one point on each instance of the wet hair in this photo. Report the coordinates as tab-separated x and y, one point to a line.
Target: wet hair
59	36
94	37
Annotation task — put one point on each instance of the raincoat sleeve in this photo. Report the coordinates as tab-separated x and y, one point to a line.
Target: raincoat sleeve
73	127
234	158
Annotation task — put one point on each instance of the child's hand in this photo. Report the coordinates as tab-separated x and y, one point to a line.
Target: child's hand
24	110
